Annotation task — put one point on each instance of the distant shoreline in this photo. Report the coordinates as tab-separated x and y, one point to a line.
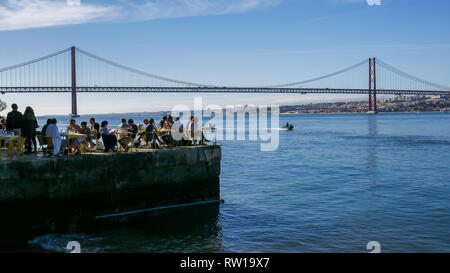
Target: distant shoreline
281	114
356	113
399	105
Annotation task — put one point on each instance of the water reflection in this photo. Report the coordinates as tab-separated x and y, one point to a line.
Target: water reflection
371	159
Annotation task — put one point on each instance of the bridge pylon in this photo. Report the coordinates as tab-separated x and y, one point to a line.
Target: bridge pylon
372	86
74	113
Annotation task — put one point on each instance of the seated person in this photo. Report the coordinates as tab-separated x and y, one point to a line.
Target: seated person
162	122
74	143
86	131
141	132
53	132
125	139
133	128
2	127
170	121
177	132
95	126
151	131
2	124
189	133
109	140
123	124
165	126
73	127
146	123
44	128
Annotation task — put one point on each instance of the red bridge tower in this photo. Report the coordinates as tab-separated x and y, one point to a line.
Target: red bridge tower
372	86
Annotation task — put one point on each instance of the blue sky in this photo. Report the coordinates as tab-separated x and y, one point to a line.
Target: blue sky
225	42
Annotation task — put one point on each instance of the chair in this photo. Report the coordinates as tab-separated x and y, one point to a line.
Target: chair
48	142
2	143
16	145
109	141
84	146
42	143
132	140
144	137
126	141
96	136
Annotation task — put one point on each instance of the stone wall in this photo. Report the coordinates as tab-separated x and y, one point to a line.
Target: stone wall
48	194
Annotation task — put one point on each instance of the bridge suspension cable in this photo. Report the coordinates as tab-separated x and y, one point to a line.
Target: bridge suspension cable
34	61
139	72
318	78
412	78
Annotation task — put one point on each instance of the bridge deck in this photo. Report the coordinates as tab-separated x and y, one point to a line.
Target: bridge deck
235	90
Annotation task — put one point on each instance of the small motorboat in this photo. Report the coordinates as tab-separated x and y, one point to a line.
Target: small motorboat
288	127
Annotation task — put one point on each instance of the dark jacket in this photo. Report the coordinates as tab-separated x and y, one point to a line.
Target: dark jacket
44	130
28	128
14	120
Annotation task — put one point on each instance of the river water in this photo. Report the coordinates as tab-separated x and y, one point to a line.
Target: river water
335	183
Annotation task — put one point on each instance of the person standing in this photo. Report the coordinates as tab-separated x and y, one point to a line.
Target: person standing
29	129
14	121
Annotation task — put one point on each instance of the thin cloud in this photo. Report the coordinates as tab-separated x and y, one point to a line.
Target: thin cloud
161	9
25	14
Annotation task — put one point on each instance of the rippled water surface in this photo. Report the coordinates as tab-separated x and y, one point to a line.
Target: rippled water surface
335	183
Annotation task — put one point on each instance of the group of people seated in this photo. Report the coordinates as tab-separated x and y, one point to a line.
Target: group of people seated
151	133
168	132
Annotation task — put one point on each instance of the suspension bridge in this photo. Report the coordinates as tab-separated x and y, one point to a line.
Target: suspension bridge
74	70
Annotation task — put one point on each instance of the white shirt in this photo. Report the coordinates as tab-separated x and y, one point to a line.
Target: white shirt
52	131
176	130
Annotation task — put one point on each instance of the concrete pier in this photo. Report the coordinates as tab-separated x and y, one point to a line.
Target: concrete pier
41	195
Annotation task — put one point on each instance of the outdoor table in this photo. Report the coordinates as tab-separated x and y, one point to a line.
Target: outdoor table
73	135
122	135
13	144
70	136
